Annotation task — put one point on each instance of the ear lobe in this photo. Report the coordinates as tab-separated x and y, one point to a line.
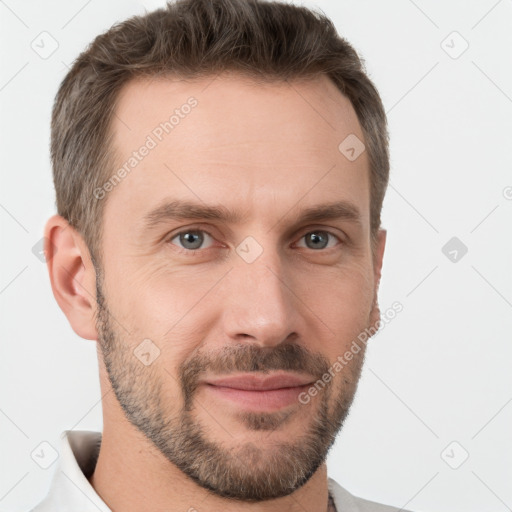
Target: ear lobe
377	268
72	275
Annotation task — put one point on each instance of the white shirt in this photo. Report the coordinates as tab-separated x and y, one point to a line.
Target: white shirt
70	491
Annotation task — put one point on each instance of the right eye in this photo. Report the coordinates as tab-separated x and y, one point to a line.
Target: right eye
191	239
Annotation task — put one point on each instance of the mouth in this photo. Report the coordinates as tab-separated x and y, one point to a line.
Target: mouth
260	392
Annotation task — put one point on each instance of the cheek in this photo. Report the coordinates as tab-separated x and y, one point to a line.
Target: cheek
342	300
173	308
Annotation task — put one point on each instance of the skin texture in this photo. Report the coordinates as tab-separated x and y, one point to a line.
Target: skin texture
266	151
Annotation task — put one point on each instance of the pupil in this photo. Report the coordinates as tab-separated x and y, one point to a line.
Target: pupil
315	238
191	240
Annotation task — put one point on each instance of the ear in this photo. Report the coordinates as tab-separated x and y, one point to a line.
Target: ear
377	268
72	275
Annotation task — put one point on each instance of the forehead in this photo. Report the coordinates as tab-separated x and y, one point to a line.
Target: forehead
228	138
235	107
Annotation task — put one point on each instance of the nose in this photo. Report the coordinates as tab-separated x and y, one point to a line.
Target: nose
261	307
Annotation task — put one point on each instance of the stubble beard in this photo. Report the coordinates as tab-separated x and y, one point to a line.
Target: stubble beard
244	472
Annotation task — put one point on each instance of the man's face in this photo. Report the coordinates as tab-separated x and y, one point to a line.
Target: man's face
262	290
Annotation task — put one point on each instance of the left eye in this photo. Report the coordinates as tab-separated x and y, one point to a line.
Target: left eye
192	239
319	239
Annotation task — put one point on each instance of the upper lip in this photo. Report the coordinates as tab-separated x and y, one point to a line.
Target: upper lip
251	381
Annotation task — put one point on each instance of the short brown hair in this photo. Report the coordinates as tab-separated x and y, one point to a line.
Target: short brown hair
195	38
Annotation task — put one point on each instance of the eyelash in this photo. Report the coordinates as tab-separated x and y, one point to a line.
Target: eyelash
191	252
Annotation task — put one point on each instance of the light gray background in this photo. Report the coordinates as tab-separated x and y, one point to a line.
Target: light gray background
439	372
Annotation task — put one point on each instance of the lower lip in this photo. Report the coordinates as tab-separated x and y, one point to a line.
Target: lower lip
271	399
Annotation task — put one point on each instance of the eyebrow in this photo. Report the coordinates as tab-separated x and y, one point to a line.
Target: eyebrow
185	210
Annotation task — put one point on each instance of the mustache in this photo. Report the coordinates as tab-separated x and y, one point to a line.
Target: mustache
250	358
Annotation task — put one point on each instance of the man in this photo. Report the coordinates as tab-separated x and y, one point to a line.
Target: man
220	168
